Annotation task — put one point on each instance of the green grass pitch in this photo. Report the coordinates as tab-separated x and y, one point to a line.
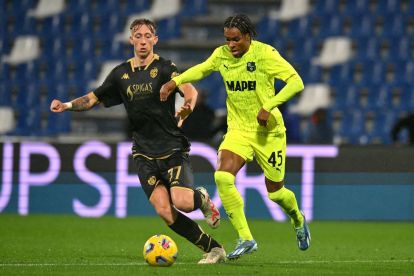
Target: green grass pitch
69	245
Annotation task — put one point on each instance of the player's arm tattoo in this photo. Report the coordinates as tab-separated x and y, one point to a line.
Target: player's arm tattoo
83	103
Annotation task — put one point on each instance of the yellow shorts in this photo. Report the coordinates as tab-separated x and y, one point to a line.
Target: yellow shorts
269	150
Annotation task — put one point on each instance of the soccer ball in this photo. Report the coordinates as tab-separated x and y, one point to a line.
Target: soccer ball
160	250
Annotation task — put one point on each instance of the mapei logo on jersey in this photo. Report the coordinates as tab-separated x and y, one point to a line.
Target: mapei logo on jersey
251	66
241	85
125	76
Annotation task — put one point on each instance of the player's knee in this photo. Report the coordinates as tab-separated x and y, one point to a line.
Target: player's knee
182	199
278	195
184	205
165	212
224	181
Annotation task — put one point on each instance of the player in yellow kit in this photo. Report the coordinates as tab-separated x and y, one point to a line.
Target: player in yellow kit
255	124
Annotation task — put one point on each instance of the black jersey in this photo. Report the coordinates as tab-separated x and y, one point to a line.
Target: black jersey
154	126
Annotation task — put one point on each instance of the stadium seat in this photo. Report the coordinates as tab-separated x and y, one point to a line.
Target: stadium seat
290	9
350	127
406	72
340	74
28	121
5	93
310	73
46	8
7	122
335	50
314	96
25	49
58	124
367	48
16	8
193	8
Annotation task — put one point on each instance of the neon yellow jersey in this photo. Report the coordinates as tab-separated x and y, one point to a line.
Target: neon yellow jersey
249	82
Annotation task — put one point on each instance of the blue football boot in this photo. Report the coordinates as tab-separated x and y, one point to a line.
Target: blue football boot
303	235
242	247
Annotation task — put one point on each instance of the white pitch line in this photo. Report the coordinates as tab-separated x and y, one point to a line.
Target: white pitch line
140	264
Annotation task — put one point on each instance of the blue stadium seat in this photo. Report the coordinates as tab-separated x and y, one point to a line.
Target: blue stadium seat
351	127
5	94
169	28
216	90
325	7
382	7
352	8
28	121
193	8
367	48
17	8
340	74
298	28
27	96
58	123
393	25
384	121
268	29
408	72
59	91
358	26
407	97
310	73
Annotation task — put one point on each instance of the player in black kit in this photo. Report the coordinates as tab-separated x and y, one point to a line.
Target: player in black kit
160	149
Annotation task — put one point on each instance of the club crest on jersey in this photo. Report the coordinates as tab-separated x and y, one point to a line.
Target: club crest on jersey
152	180
251	66
153	72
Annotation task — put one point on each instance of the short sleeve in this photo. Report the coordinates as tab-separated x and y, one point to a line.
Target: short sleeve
108	92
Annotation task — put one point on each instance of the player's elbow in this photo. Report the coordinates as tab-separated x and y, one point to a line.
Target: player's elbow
295	84
299	84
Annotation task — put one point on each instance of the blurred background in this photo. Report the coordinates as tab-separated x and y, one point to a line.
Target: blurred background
355	57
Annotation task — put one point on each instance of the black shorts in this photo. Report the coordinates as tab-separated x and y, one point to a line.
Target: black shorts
173	171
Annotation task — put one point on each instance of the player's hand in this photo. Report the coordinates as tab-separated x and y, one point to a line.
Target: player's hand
262	117
166	90
183	113
57	106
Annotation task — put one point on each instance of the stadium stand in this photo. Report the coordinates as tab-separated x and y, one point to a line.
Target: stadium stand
364	52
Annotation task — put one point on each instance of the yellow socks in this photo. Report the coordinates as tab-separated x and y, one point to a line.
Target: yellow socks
232	203
287	200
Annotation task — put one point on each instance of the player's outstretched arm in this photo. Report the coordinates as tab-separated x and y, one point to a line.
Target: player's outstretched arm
83	103
166	90
190	99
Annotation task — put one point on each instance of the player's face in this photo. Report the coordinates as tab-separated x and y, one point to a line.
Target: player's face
143	40
238	43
